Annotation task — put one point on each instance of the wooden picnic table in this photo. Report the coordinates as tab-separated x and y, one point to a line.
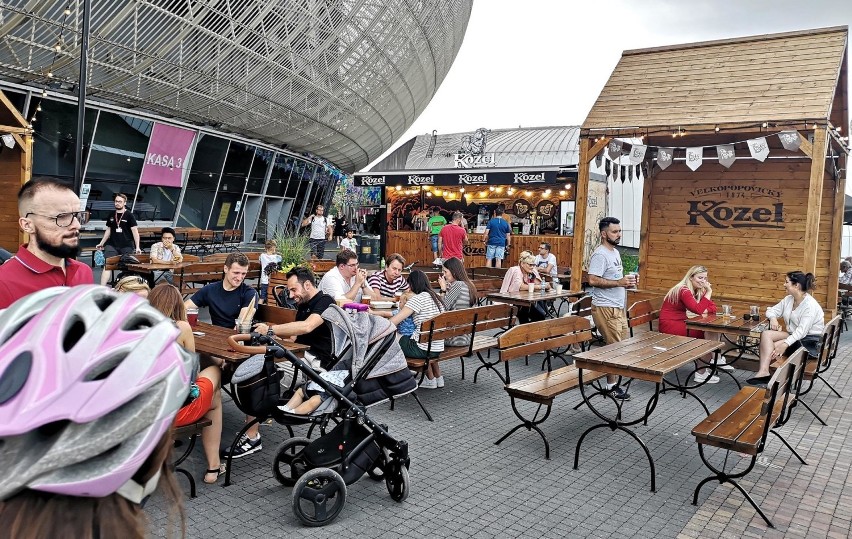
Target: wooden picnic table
150	267
742	335
525	299
650	357
214	342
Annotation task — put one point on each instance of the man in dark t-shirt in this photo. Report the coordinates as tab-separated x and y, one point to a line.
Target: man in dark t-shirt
309	328
227	297
121	236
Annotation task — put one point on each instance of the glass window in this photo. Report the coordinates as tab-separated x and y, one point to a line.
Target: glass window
17	99
204	175
224	211
280	173
115	163
295	179
237	165
155	202
258	170
54	138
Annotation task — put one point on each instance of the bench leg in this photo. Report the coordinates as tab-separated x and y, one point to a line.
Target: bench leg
723	477
808	408
530	425
790	447
485	365
633	435
183	457
425	411
824	381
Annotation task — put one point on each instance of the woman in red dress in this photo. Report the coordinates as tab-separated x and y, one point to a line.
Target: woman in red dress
689	298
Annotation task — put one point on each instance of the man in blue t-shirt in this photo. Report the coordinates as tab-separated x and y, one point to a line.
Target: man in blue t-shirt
227	297
497	238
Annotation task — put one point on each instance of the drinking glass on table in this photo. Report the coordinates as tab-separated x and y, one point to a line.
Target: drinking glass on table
192	317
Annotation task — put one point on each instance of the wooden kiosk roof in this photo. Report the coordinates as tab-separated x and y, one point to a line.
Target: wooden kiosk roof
777	77
728	92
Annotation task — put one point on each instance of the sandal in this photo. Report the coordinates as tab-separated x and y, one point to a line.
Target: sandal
218	471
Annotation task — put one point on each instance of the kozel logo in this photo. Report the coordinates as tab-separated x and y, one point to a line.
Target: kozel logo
372	180
470	160
473	179
523	177
421	180
719	214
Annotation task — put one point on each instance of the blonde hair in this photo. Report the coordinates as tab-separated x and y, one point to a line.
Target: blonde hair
131	283
526	257
686	282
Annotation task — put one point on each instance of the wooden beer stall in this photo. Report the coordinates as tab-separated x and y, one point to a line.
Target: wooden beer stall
745	159
532	202
16	160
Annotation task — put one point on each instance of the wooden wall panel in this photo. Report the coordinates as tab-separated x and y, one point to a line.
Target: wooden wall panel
10	182
746	224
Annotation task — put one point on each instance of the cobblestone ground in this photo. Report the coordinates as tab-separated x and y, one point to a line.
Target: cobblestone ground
462	485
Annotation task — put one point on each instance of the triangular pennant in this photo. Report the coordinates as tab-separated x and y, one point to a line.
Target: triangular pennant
615	171
665	157
599	160
759	148
694	157
790	140
623	173
630	173
638	171
607	166
637	153
727	155
9	141
613	149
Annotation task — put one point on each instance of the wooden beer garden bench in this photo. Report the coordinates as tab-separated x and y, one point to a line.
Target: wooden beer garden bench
193	277
542	389
469	321
744	422
179	436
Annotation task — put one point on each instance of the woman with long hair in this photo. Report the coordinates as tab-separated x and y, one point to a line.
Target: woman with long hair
424	305
804	321
208	401
522	278
459	292
84	444
689	298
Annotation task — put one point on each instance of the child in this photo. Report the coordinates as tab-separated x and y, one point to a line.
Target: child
307	398
349	242
269	257
406	327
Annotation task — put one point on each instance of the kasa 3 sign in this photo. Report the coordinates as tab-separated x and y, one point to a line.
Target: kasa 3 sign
735	206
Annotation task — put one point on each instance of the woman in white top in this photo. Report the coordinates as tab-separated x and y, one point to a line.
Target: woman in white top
424	305
803	319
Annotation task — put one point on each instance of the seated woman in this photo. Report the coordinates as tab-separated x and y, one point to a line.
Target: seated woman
133	284
803	318
689	298
522	278
208	400
425	304
459	293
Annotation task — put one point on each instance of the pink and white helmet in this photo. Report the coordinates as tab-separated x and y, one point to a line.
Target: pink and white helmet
90	381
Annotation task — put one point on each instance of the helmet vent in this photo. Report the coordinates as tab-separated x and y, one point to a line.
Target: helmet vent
137	321
103	302
15	376
73	335
104	368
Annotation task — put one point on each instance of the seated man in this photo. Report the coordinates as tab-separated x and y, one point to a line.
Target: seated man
345	279
385	284
845	273
227	297
309	328
165	252
545	261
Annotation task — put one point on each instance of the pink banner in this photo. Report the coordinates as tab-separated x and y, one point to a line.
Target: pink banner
168	154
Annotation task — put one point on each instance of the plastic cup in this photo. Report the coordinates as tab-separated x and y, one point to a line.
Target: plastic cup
635	279
726	311
755	311
243	327
192	317
341	300
557	287
365	300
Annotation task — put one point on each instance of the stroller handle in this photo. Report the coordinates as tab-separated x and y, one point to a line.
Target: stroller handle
236	342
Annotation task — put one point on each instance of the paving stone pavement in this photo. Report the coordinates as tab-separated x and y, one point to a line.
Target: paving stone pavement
464	486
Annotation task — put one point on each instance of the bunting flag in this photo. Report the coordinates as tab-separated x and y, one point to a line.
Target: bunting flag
790	140
613	149
694	157
759	148
727	155
9	141
599	160
637	154
665	157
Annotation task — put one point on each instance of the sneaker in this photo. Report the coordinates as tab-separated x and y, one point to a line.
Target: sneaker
701	378
723	365
436	262
429	383
618	392
440	381
244	447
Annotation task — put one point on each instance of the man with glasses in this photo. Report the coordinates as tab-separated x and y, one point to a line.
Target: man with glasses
121	236
321	229
50	214
345	279
545	261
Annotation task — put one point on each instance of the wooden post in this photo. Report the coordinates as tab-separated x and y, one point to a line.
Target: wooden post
580	216
815	201
645	227
836	240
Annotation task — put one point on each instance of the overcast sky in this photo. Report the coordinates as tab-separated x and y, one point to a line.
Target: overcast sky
543	62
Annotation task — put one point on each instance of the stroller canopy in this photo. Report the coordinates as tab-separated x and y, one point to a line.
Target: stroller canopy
362	330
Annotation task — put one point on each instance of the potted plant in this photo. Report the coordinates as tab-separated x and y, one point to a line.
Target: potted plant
294	251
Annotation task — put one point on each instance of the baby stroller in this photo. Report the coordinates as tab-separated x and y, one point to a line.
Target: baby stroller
319	469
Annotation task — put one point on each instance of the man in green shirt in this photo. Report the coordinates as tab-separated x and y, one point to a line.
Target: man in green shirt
435	224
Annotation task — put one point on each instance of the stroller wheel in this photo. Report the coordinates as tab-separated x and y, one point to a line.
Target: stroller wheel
285	467
377	472
397	481
319	496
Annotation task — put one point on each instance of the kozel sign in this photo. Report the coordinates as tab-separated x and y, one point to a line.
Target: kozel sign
470	160
736	206
473	179
421	180
372	180
523	177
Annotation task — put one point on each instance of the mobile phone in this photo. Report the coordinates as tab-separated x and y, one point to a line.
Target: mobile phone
199	333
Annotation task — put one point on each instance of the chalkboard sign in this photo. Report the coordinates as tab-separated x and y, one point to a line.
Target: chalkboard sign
521	208
548	212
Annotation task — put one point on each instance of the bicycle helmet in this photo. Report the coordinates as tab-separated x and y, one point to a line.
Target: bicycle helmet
90	381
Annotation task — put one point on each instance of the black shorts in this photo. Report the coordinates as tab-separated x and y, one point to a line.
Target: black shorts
809	342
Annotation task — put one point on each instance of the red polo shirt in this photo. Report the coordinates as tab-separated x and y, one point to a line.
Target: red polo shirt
453	237
25	273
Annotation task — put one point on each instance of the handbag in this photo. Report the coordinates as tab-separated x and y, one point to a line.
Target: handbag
257	386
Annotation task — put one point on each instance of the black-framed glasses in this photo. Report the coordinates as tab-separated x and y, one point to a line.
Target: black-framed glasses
355	265
755	317
64	220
